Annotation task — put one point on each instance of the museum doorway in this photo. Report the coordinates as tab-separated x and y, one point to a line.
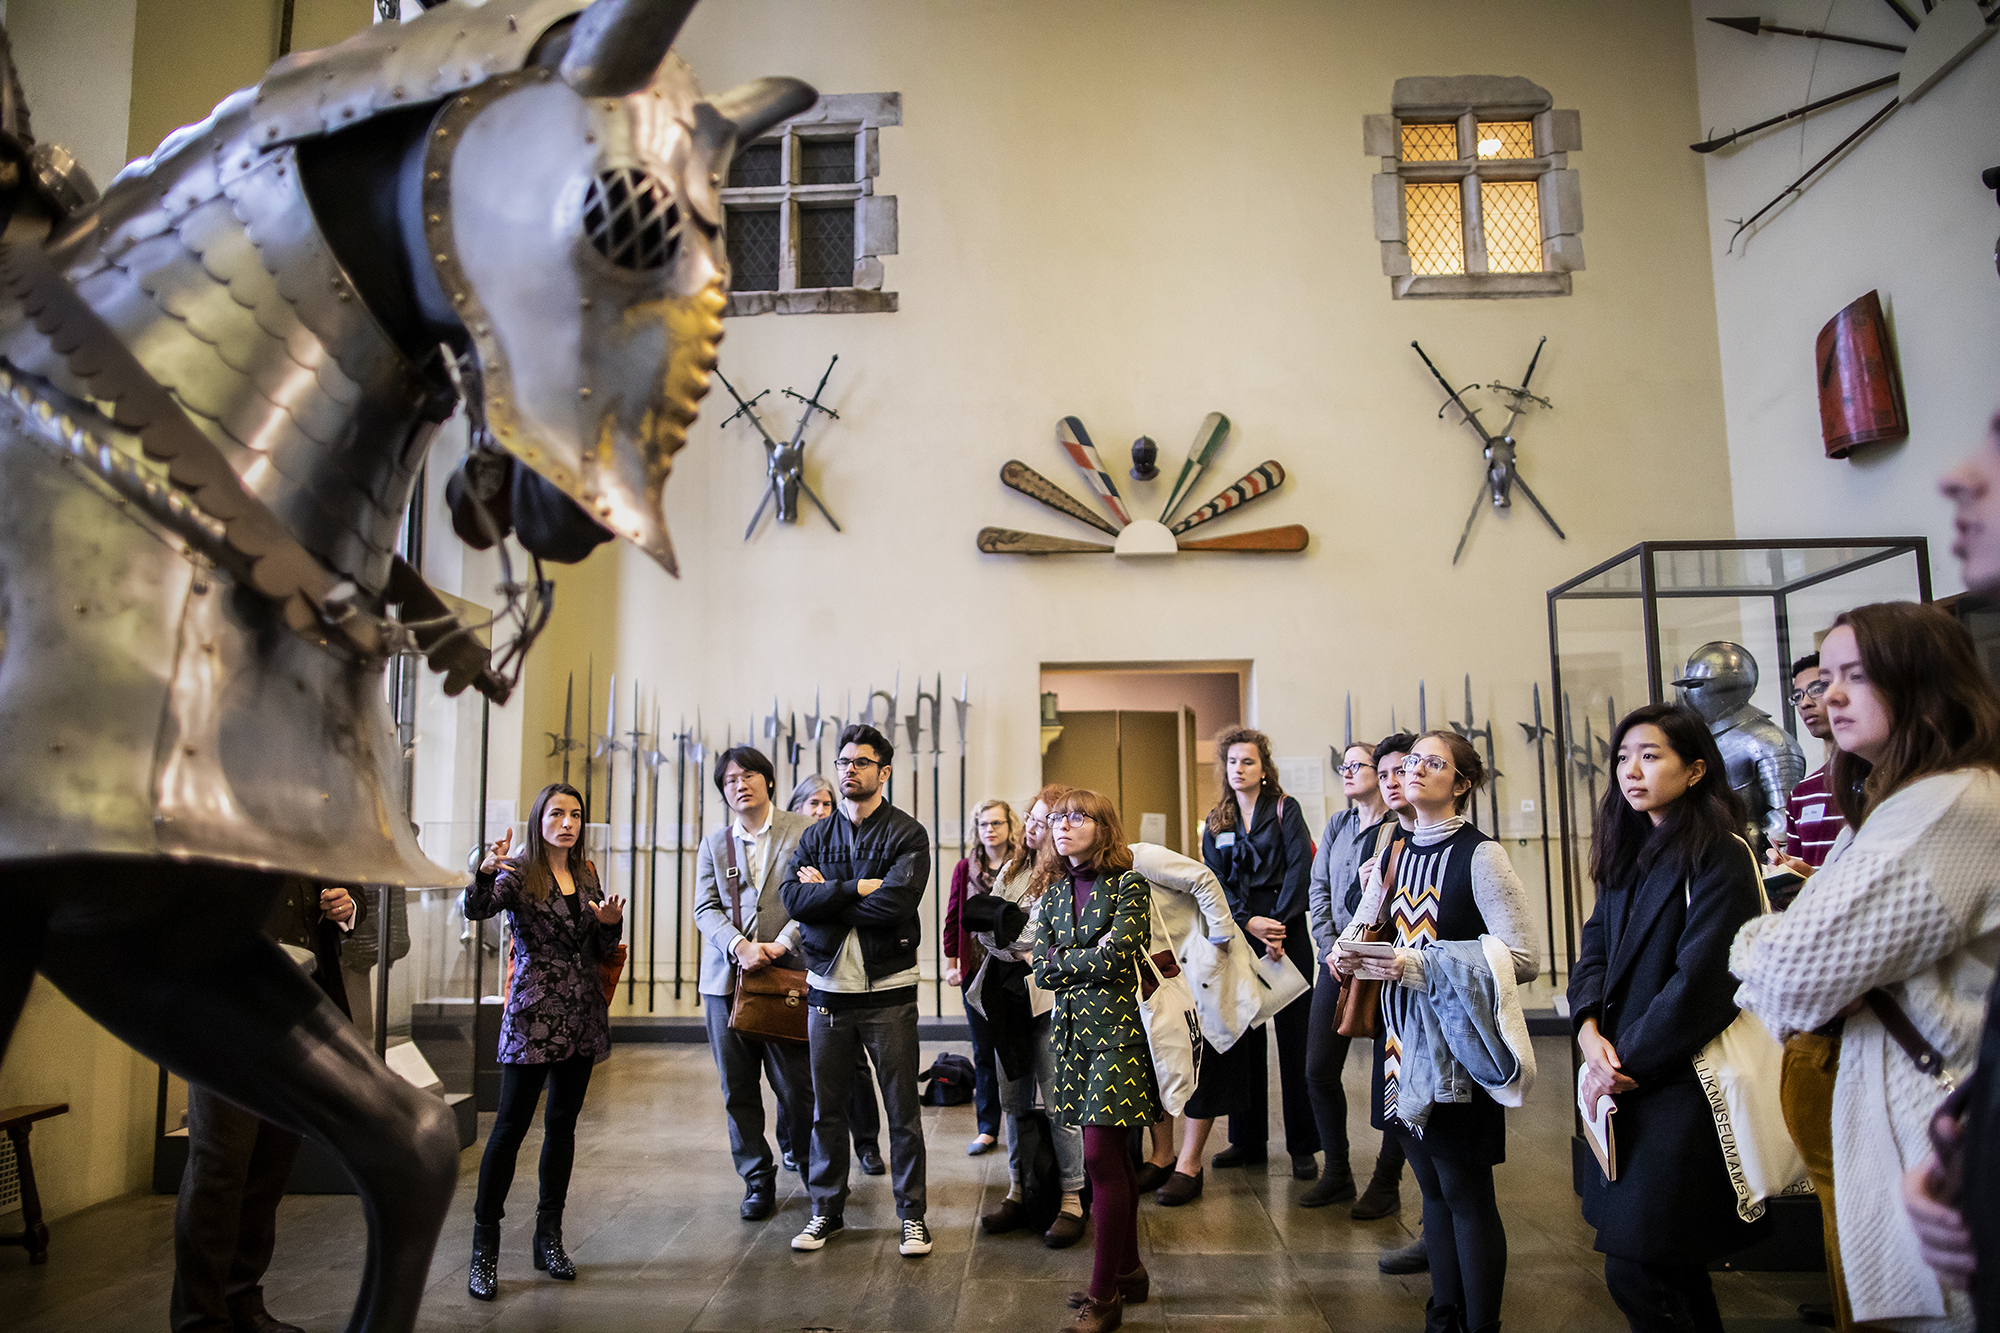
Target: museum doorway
1143	734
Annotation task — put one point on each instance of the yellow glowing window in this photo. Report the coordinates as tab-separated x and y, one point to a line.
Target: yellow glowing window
1436	229
1430	143
1506	139
1512	214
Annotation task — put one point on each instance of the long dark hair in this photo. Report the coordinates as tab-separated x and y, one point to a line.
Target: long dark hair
1222	817
1943	711
536	880
1627	843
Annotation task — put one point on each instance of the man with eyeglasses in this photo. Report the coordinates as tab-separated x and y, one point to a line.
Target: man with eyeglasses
855	886
1812	820
744	928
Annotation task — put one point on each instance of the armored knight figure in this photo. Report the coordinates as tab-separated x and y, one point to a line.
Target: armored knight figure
1764	763
218	383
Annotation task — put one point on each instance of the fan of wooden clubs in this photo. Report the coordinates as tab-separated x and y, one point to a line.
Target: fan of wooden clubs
1142	537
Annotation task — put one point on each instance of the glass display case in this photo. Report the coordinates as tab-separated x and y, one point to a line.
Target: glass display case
1620	633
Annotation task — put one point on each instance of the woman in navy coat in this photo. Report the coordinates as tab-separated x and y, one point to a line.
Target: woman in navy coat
1675	882
555	1028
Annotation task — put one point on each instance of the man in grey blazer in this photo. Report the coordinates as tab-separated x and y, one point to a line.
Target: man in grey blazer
744	927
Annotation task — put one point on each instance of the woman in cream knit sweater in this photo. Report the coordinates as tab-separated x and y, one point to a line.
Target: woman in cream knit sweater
1909	914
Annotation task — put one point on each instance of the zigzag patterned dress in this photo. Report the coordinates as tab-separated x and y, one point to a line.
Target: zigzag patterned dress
1104	1069
1434	901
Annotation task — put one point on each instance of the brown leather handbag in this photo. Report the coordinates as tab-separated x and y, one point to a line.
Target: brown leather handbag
1360	1010
770	1003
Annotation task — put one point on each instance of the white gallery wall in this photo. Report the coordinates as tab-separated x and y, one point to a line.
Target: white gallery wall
1902	212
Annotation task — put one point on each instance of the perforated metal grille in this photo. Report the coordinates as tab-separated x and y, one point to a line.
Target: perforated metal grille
1430	143
753	249
826	161
1512	215
755	164
826	246
1436	229
630	218
1505	139
10	1177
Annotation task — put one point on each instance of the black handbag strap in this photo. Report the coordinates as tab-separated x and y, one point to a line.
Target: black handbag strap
732	876
1928	1059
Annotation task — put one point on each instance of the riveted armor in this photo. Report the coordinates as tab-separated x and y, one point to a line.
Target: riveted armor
1764	763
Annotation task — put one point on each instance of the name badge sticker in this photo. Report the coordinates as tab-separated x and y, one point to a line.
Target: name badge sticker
1225	839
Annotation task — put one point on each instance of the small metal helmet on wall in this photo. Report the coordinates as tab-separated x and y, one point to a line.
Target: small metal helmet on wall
574	227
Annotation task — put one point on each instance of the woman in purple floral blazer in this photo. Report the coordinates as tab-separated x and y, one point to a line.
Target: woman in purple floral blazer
554	1029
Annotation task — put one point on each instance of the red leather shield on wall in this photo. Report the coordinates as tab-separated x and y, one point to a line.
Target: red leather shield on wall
1860	393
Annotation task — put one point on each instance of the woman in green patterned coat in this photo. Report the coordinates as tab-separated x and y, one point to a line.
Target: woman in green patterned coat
1095	919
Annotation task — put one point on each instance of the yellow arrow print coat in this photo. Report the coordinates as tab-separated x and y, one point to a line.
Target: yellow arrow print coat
1104	1071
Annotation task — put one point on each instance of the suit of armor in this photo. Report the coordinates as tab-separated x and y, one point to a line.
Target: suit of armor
216	386
1764	763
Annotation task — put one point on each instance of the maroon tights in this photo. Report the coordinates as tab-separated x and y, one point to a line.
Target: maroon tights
1114	1207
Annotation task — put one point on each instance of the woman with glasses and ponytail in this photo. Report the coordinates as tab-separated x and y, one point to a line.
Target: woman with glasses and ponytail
1675	882
556	1025
1449	889
1093	918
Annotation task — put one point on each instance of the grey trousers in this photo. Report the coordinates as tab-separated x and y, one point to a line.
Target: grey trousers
739	1060
226	1222
1017	1097
889	1035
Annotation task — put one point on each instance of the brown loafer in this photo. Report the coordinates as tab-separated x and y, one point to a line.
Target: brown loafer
1089	1316
1002	1217
1136	1286
1149	1176
1064	1232
1179	1189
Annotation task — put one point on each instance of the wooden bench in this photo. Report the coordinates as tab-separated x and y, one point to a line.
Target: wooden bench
16	1121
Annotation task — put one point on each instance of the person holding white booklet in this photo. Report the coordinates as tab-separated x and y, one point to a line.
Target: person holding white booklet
1651	988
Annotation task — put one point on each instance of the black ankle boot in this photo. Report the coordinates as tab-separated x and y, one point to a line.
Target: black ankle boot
549	1255
1384	1194
484	1278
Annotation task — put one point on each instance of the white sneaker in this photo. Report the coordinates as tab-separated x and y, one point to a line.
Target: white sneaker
818	1232
916	1237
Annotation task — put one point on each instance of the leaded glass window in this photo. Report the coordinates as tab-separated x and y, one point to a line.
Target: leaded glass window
1436	228
1511	213
753	249
755	164
1500	139
1430	143
826	246
826	161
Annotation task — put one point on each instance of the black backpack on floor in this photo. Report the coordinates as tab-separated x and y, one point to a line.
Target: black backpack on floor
950	1078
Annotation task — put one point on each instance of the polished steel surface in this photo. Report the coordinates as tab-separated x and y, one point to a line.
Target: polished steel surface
1764	763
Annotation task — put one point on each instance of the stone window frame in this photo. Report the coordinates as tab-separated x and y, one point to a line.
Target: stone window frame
859	114
1467	100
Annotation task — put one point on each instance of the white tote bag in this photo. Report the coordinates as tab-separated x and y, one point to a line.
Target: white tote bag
1173	1028
1740	1071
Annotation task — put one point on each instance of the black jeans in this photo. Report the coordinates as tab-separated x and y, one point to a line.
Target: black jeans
1663	1298
1252	1128
985	1073
1463	1234
864	1117
226	1221
1326	1057
520	1090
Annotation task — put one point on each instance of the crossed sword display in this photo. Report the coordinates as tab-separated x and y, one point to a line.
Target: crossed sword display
1075	441
1503	474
